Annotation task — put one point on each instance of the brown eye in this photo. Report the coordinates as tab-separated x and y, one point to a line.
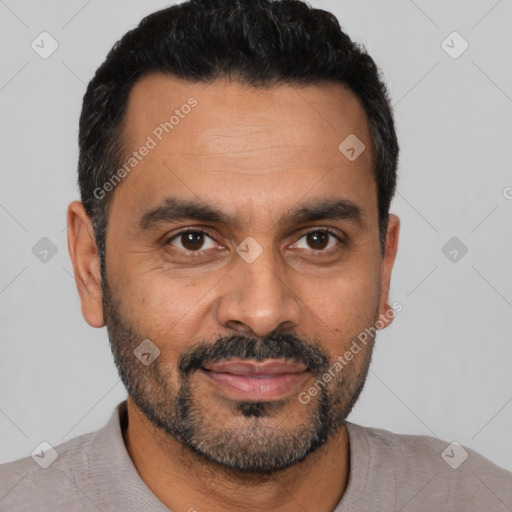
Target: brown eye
190	241
320	240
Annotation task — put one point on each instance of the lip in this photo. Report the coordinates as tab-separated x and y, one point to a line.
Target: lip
256	380
252	367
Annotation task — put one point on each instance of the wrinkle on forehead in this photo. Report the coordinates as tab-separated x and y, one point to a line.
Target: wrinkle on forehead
236	118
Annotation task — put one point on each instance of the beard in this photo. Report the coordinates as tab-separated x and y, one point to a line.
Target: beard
257	440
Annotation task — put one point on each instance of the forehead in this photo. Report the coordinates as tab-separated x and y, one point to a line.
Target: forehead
224	141
313	116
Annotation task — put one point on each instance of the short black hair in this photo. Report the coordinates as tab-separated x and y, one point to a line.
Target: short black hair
262	43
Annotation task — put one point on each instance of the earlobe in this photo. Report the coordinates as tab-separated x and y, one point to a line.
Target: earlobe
84	256
386	312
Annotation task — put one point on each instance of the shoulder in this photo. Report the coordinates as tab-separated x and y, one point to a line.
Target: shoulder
46	479
438	470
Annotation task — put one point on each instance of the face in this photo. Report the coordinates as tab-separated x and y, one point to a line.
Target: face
243	247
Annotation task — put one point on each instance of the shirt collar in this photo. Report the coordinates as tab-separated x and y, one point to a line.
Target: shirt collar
113	482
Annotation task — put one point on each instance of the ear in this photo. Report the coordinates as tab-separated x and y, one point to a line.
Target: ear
86	263
386	312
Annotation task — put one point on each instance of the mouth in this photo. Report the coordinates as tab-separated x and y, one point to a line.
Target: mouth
269	379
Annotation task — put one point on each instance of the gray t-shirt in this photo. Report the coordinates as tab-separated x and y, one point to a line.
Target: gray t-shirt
388	472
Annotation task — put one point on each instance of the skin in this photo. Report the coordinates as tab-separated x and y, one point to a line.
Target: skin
254	154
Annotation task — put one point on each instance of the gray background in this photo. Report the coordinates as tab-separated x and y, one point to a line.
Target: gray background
444	366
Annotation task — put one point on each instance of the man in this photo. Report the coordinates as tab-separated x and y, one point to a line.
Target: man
237	163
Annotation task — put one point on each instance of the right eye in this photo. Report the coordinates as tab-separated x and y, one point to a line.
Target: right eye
190	240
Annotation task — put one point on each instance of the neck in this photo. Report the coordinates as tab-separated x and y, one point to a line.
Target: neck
183	480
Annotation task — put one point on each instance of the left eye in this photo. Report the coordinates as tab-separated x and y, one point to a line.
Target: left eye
318	240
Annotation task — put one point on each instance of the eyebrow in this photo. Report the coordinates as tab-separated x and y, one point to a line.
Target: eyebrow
175	209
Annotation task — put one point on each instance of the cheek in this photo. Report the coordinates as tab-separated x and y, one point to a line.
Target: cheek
163	309
347	302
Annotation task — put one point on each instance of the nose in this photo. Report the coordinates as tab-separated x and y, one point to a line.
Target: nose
257	298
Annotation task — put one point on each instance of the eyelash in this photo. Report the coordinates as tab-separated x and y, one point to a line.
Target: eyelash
194	253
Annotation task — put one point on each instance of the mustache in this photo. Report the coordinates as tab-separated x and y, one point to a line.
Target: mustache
274	346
